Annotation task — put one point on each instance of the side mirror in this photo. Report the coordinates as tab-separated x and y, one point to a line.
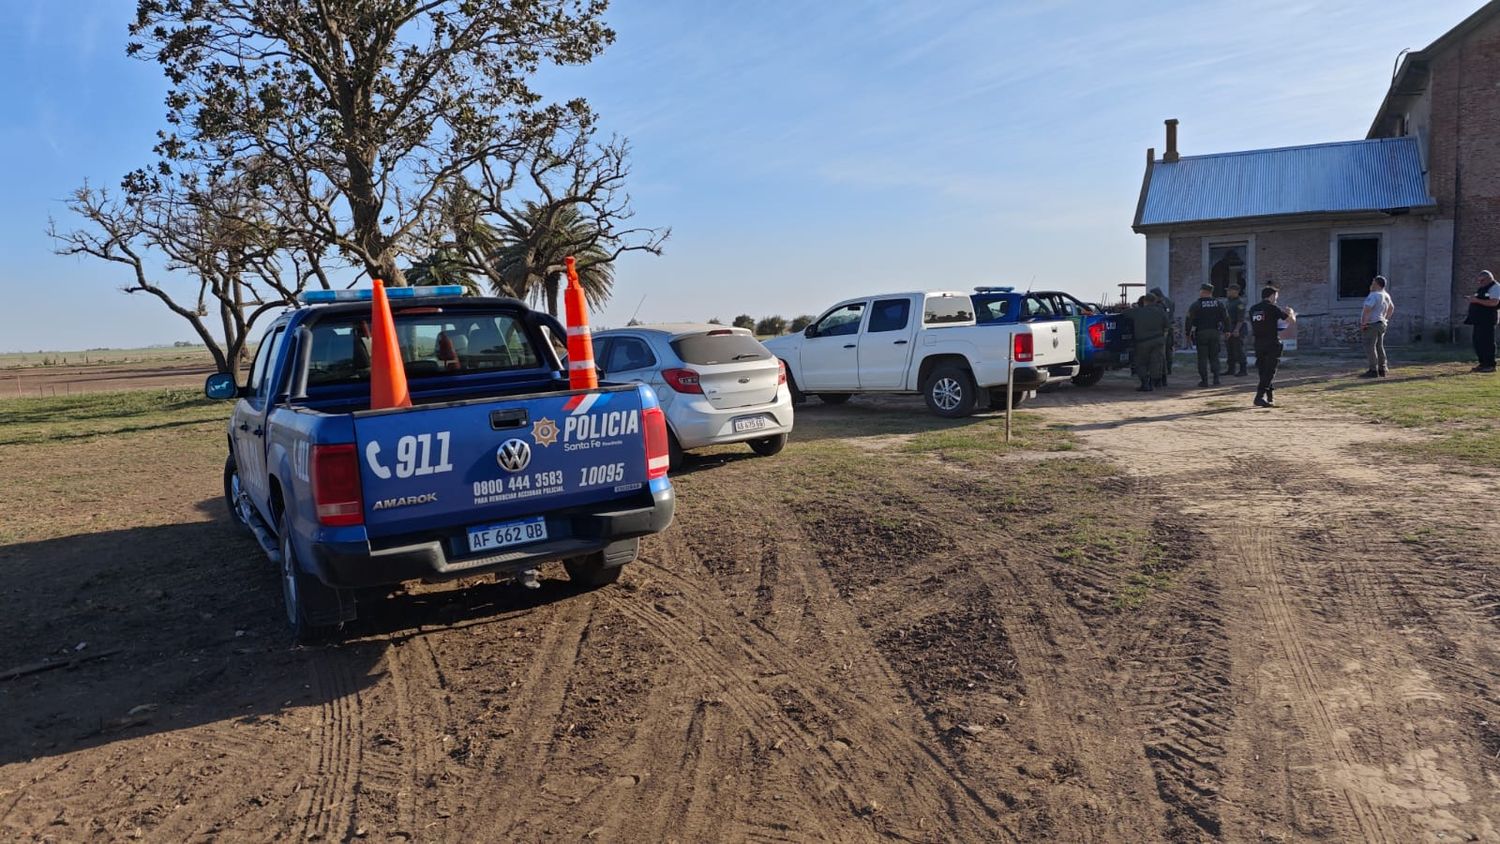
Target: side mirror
810	331
220	386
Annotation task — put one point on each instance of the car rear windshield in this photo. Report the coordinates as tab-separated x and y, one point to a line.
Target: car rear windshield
432	343
715	347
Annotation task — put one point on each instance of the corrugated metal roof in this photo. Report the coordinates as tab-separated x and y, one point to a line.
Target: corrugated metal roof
1368	175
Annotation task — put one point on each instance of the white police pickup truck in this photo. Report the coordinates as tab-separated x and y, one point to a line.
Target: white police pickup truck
926	343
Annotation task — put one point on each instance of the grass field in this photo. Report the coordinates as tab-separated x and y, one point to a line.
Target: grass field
1444	399
167	355
54	418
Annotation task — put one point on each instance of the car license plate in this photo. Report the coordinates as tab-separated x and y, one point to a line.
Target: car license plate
751	423
490	537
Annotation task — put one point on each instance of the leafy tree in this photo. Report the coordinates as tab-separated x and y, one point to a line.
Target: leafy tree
445	266
714	321
744	321
802	322
771	325
530	258
361	113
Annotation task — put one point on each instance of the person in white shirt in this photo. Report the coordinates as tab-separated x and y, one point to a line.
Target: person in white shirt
1483	308
1373	321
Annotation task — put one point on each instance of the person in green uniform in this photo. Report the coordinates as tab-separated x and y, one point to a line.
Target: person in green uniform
1206	324
1149	323
1234	341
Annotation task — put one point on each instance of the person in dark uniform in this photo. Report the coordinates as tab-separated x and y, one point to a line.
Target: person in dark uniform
1483	308
1170	308
1149	324
1266	319
1234	341
1207	320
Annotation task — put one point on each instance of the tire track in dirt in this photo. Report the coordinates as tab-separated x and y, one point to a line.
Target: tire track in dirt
326	809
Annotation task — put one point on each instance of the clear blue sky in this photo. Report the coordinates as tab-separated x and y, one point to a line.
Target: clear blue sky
801	152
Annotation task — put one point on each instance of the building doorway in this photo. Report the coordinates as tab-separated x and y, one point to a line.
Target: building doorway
1227	265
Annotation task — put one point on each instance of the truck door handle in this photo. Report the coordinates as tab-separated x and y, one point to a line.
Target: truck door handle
501	420
848	345
899	343
244	426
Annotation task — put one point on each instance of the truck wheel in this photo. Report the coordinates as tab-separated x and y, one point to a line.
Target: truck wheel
834	398
951	392
767	446
232	492
798	396
312	607
997	398
589	572
1088	376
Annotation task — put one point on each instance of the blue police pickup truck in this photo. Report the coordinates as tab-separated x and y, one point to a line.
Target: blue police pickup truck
497	467
1103	338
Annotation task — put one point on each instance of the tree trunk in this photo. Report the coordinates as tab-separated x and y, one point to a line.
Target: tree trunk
550	284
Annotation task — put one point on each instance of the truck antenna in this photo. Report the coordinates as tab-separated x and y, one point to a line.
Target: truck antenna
638	307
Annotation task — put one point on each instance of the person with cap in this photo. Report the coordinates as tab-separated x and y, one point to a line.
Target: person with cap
1207	320
1234	341
1149	325
1373	319
1266	320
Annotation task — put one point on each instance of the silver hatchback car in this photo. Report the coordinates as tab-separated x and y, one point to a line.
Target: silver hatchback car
717	384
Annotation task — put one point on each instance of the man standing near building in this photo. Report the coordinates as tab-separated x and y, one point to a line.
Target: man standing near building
1373	320
1482	312
1234	343
1149	324
1265	325
1168	307
1207	320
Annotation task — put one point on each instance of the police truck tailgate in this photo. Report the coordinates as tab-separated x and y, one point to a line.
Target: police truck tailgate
488	468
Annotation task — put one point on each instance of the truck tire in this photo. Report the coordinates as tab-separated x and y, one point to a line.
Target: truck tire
767	446
997	398
1088	376
312	607
951	392
834	398
798	396
232	492
590	571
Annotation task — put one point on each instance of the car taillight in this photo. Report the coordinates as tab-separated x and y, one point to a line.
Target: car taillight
682	380
658	459
1022	348
780	372
335	484
1096	335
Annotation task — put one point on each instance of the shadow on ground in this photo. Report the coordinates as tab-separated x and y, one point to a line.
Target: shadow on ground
168	627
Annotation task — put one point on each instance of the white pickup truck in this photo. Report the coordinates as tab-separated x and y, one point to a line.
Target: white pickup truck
924	343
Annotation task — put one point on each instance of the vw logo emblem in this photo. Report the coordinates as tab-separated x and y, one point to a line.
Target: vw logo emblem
513	455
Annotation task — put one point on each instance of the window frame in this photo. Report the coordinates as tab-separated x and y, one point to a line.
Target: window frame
1336	258
973	311
270	344
1211	243
864	313
617	340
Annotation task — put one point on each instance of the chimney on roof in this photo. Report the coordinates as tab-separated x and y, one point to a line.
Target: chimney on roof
1171	154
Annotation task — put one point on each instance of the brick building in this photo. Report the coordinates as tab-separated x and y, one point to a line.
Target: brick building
1417	200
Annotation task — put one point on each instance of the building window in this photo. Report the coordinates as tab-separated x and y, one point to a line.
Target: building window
1226	266
1359	261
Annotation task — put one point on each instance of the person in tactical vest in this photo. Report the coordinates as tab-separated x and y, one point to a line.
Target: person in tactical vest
1148	321
1266	320
1234	342
1207	320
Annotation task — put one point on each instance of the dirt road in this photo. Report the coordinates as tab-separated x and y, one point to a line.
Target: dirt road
1203	623
41	381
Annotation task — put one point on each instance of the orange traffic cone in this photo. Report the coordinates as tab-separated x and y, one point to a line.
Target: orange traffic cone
581	373
387	372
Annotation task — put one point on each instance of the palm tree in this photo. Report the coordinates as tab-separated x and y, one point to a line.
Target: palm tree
444	266
530	258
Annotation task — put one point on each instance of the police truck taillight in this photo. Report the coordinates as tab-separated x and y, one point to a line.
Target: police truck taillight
335	485
682	380
1021	349
654	425
1096	335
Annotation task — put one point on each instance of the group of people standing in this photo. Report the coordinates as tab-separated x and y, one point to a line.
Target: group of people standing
1212	324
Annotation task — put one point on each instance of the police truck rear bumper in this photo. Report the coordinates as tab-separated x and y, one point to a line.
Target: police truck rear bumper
610	528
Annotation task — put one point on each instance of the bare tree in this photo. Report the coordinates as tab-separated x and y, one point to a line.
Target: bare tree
210	254
362	109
